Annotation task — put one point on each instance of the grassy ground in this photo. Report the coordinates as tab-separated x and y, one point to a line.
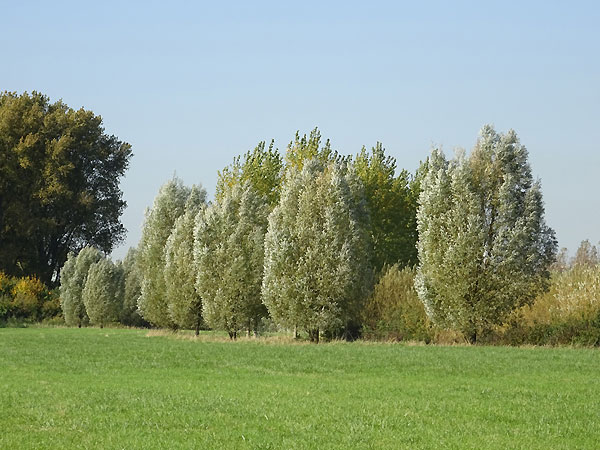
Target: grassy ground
92	388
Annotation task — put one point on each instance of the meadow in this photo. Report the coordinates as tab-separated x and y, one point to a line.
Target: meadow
124	388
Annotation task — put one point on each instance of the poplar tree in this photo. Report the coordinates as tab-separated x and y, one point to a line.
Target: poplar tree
168	205
392	208
317	269
132	290
306	147
484	247
101	293
184	302
262	168
73	278
229	255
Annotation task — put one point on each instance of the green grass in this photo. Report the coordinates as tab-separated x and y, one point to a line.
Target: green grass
92	388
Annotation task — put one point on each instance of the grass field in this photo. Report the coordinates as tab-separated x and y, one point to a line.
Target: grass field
92	388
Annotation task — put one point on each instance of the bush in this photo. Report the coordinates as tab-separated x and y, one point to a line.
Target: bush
394	311
26	299
568	314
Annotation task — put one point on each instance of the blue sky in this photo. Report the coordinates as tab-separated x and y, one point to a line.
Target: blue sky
192	84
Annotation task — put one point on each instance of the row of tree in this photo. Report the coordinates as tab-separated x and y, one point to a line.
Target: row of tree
96	291
301	239
297	239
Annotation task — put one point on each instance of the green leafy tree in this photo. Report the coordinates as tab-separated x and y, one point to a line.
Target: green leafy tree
484	247
102	292
132	290
229	255
392	208
59	184
304	148
73	279
169	204
317	270
262	168
184	302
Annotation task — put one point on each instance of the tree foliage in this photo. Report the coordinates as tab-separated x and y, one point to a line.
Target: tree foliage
184	302
59	184
262	168
72	282
132	290
169	204
484	247
392	208
229	254
306	147
102	293
394	310
316	250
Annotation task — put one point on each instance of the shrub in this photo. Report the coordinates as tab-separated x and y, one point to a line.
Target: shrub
394	311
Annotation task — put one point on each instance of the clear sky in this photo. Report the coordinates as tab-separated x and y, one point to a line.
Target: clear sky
192	84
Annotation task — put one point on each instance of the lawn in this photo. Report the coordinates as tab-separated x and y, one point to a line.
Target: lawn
117	388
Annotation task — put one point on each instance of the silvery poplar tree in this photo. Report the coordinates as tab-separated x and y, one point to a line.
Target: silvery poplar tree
132	290
484	247
72	281
229	254
102	292
317	250
184	302
169	204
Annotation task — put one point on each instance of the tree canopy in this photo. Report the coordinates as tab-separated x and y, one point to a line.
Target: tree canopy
484	247
59	184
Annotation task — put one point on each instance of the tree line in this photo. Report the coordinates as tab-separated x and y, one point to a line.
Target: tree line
305	240
308	241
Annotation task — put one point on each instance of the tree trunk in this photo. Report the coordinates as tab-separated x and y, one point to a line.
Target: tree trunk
295	332
197	330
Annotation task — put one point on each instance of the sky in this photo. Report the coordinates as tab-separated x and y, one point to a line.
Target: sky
190	85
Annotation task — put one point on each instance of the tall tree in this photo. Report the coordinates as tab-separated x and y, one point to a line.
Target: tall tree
101	294
73	279
262	168
169	204
132	290
59	184
184	302
306	147
392	208
484	247
229	254
316	250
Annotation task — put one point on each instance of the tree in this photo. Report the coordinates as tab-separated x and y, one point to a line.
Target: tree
317	269
392	208
59	184
169	204
262	168
102	292
184	302
586	255
304	148
229	255
484	247
132	290
73	279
